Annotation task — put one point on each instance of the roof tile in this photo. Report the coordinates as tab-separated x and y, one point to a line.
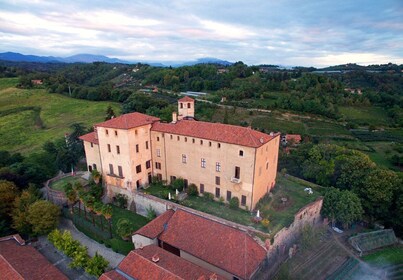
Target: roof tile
156	226
128	121
90	137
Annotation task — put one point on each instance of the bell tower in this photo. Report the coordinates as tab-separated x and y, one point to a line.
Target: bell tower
186	107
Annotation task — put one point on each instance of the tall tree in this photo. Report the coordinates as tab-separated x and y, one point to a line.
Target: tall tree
43	216
109	113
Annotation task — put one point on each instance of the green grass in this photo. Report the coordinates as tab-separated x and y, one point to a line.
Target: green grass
59	184
291	187
386	256
365	115
272	123
25	130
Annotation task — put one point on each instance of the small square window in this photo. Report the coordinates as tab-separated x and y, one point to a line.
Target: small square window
229	195
92	145
209	143
218	145
135	132
186	139
147	145
171	136
218	167
243	200
148	164
158	153
201	142
137	148
116	133
240	153
158	139
179	138
109	148
184	158
203	163
217	192
201	188
193	140
111	169
138	168
106	132
118	150
217	180
120	171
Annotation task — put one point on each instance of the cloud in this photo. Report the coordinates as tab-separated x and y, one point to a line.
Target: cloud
287	32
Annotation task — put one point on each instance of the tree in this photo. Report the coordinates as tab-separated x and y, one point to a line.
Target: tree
20	214
8	193
110	114
377	191
342	206
96	265
124	228
43	216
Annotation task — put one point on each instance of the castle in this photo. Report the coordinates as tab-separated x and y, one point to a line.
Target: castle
225	160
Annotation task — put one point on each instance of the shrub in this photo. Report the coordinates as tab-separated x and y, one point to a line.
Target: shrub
208	196
178	184
96	265
234	203
121	200
265	223
124	228
192	190
151	214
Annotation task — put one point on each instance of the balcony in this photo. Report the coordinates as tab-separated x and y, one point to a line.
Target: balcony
235	180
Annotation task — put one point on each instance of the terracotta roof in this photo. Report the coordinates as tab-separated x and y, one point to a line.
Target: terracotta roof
128	121
139	265
25	262
90	137
222	246
219	132
186	99
112	275
156	226
296	137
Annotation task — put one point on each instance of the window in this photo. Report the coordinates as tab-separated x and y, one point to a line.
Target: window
201	142
184	158
147	145
173	178
178	138
217	180
217	192
138	168
171	136
185	183
106	132
109	148
188	105
158	165
110	169
138	184
218	145
148	164
203	163
181	104
92	145
159	177
94	166
229	194
193	140
117	149
240	153
186	139
158	152
237	172
218	167
243	200
267	165
209	144
201	188
137	148
158	139
120	171
116	133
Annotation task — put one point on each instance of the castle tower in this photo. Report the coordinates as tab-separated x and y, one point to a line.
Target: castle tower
186	107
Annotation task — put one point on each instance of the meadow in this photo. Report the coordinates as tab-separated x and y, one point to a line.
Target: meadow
30	117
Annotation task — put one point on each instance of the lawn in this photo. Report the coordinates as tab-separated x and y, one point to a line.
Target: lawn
30	117
272	123
387	256
279	214
59	184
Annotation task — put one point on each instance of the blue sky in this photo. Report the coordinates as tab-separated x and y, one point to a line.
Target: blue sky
286	32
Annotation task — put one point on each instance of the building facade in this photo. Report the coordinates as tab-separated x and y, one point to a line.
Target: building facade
225	160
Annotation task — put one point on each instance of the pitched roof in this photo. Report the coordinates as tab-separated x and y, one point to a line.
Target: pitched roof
296	137
90	137
128	121
219	132
222	246
156	226
112	275
139	265
25	262
186	99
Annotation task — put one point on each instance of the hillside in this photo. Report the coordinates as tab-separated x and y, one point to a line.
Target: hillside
30	117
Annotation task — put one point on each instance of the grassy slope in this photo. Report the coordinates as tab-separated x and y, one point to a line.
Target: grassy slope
20	132
365	115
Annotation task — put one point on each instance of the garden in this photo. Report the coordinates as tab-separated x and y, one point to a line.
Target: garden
277	209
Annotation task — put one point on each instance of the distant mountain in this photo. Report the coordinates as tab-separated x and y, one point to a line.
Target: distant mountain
84	58
89	58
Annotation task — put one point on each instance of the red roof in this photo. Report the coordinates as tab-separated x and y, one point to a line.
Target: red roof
222	246
156	226
112	275
25	262
90	137
128	121
139	265
219	132
186	99
295	137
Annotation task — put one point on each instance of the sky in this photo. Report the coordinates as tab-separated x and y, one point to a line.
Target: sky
283	32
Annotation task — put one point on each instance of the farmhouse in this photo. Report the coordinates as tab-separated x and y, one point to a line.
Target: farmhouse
226	160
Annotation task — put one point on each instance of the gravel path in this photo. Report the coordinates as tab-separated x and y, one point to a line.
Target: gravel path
113	258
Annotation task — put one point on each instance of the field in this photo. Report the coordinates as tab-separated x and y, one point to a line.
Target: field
30	117
365	115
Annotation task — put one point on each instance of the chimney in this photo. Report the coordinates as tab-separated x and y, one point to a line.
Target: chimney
174	117
155	258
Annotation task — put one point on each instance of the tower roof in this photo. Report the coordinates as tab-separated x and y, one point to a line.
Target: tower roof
186	99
